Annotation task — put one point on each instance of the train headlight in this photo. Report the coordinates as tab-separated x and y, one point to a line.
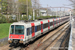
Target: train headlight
20	41
21	36
11	36
10	41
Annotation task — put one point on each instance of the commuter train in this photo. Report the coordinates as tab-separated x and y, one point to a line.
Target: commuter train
24	32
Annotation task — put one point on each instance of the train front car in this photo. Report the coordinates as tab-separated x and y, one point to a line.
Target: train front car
16	33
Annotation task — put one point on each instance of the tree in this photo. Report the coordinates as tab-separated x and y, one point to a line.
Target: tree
73	5
4	5
2	19
23	7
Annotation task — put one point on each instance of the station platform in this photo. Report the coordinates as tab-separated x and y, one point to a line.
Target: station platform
72	36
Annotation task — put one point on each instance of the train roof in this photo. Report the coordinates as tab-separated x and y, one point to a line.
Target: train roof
24	22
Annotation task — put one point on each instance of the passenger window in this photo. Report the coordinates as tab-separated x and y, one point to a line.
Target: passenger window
38	27
54	22
28	31
51	23
57	21
41	26
46	25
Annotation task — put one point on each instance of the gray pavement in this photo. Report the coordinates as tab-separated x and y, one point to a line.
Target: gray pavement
73	35
3	41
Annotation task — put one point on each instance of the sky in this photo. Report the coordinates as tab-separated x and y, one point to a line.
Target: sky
55	3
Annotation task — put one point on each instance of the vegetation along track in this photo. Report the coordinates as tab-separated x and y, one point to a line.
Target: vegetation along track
38	44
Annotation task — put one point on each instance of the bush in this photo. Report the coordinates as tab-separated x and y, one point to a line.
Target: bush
46	17
11	20
2	19
23	18
41	17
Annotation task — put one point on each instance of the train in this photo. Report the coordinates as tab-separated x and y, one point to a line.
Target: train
24	32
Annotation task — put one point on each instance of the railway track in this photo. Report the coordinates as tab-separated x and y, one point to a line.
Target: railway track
51	45
45	39
38	45
52	40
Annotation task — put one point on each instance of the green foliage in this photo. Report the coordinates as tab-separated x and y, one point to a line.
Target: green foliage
4	6
2	19
23	18
23	7
4	30
11	20
41	17
24	2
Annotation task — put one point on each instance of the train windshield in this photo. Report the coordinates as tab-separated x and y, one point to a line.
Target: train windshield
17	29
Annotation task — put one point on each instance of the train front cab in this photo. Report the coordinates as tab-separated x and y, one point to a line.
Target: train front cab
16	34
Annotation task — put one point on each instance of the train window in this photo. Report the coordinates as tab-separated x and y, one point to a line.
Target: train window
46	25
12	29
64	19
33	29
55	22
59	20
51	23
38	28
28	31
19	29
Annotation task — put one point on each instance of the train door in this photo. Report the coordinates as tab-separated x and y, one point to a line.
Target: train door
53	22
29	31
41	27
59	21
56	22
33	29
48	24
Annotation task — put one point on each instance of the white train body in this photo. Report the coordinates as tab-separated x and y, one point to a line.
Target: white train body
24	32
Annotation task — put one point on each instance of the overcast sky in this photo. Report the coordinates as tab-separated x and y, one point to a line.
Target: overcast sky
55	3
